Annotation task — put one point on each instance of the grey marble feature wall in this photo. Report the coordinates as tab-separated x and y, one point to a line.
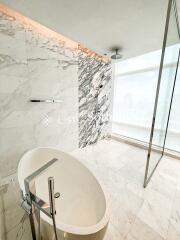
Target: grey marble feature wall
94	97
34	65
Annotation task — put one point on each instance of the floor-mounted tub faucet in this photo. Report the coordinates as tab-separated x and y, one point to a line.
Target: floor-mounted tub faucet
31	201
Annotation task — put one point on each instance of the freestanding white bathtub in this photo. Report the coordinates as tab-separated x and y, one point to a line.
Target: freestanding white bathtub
82	211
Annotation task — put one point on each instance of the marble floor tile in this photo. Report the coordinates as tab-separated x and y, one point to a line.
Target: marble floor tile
173	231
170	167
156	212
141	231
22	230
164	184
125	206
113	233
174	228
137	213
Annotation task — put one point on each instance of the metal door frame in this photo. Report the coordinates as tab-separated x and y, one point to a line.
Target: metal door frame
171	4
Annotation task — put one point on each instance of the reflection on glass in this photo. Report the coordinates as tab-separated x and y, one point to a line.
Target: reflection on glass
173	135
134	93
165	92
135	84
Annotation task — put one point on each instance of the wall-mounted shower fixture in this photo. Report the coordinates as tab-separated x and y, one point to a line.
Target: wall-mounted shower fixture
117	55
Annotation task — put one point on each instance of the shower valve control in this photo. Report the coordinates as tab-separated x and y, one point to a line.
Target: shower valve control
57	195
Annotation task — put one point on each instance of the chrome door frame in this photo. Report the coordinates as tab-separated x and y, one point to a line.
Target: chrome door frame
171	3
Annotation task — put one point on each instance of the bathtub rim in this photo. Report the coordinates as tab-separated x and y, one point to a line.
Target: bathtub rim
72	229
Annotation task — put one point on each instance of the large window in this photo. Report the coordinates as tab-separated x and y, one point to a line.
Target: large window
135	85
173	136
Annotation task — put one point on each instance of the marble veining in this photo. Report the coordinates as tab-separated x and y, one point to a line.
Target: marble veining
13	221
36	63
136	213
94	98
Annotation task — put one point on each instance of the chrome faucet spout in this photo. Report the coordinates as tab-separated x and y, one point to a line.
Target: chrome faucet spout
30	200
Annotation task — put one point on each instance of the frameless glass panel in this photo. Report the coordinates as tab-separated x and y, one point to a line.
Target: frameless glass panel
164	94
173	135
134	92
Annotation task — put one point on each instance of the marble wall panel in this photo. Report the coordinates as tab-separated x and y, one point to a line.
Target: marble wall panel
34	65
94	98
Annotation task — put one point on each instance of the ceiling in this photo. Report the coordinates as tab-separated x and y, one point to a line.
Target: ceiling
136	26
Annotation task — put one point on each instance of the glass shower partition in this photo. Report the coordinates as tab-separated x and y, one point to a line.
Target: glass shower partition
165	90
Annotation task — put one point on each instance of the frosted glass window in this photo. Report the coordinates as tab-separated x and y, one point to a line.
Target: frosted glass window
135	85
173	135
149	60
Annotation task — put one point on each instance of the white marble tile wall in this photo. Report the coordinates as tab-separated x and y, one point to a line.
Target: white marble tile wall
34	66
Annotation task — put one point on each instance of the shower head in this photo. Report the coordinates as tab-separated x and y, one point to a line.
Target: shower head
116	56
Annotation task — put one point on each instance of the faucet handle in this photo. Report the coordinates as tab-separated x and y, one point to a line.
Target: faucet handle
57	195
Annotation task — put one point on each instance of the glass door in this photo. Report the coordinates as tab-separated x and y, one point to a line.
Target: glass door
164	93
